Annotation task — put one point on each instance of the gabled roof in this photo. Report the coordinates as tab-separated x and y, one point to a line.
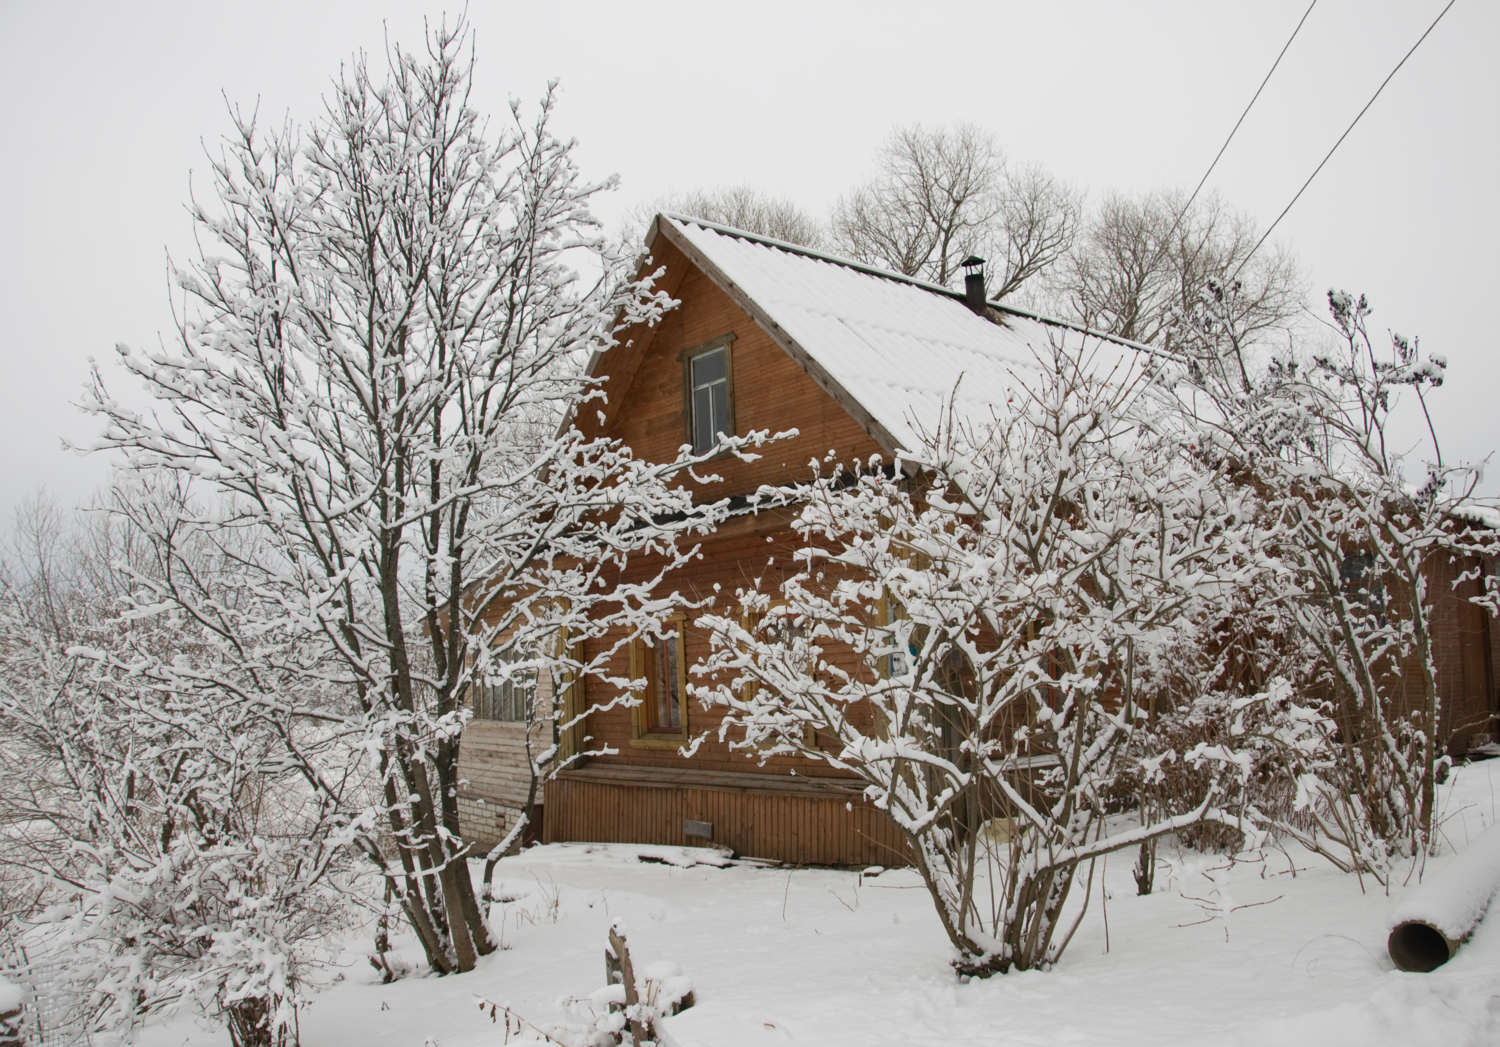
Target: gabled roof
889	349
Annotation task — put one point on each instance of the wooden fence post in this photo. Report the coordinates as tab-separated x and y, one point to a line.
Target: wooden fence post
640	1031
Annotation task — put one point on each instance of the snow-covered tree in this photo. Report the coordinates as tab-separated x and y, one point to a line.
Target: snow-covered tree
961	640
740	206
374	353
180	861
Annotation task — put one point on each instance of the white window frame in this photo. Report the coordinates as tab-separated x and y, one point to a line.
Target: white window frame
725	344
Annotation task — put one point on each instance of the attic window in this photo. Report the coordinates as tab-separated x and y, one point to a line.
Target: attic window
708	379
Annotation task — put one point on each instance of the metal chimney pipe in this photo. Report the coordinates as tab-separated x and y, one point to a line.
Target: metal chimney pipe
974	284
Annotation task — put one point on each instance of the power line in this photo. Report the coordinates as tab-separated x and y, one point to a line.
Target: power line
1340	142
1183	213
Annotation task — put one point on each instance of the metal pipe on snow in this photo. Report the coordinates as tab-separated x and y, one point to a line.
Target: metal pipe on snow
1432	921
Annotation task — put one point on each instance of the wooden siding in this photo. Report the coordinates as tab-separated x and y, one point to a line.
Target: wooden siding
644	385
731	562
1465	654
646	411
1463	650
752	814
1493	628
636	795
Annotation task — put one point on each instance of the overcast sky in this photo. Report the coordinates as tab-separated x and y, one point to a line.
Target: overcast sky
107	107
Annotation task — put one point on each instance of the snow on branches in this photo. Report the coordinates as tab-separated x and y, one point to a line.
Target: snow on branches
179	862
960	636
369	389
1361	543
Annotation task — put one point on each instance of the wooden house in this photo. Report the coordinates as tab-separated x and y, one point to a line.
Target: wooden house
769	336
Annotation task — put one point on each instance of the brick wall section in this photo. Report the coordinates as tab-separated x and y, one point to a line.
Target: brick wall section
494	776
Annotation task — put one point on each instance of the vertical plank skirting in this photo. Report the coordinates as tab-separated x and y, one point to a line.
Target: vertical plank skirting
801	828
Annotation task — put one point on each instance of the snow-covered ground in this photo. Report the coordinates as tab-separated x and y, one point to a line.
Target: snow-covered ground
1276	948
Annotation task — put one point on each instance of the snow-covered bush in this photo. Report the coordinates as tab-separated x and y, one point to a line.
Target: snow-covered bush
179	859
962	642
1188	686
1358	544
1283	742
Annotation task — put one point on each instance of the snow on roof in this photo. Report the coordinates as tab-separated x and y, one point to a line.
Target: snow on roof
896	346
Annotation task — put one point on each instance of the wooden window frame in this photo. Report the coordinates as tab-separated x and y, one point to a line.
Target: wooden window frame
485	700
886	613
642	736
687	356
886	616
571	707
